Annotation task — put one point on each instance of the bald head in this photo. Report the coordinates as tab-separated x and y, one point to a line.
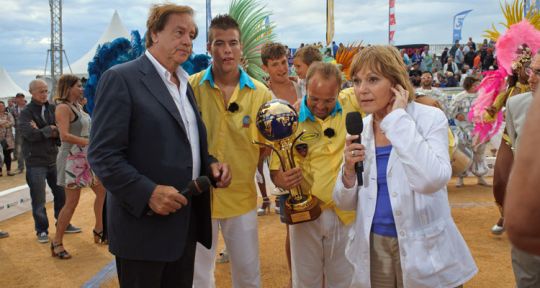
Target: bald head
35	83
39	90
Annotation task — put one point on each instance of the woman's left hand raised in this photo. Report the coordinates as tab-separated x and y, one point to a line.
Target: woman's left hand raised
400	99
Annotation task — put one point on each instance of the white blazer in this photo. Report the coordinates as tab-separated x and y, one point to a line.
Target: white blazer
432	251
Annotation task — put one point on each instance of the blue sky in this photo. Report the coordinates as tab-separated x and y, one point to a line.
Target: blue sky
25	24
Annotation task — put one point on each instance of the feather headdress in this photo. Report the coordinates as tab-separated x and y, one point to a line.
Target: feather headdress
513	14
514	48
122	50
345	55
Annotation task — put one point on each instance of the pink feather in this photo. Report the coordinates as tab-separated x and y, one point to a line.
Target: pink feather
495	81
492	84
517	35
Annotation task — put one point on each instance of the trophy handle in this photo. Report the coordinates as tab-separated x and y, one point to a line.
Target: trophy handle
275	150
291	160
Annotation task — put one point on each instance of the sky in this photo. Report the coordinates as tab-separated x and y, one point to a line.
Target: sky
25	24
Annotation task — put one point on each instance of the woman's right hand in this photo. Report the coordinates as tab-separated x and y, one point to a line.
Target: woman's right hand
353	153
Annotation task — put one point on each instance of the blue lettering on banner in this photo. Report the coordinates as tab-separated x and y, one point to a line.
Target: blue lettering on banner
458	24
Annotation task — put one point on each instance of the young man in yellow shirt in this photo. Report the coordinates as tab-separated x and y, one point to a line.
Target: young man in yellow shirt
229	100
318	246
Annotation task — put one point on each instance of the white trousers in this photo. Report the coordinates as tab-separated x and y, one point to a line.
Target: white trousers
242	242
317	249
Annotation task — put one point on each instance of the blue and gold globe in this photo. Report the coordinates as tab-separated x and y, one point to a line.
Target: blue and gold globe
277	120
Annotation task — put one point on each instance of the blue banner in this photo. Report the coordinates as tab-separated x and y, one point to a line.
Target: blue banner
208	17
458	24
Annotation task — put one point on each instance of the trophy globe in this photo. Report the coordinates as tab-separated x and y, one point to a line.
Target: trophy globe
277	121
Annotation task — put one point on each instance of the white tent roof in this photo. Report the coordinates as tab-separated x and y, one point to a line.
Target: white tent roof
8	88
116	29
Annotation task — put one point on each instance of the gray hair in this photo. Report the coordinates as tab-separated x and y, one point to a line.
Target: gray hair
33	84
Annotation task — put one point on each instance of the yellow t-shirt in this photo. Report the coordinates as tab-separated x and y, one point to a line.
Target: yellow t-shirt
231	130
321	162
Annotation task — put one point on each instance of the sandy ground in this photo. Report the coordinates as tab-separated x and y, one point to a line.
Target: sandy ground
26	263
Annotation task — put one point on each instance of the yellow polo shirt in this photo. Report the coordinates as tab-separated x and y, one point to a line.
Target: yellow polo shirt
321	164
230	135
348	100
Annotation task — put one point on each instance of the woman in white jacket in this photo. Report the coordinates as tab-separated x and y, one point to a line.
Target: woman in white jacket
404	234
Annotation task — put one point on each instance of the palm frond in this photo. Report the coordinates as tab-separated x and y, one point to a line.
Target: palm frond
251	15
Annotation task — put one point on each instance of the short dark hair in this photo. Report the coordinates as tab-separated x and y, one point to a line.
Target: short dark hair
272	51
223	22
159	14
308	54
19	95
469	82
427	72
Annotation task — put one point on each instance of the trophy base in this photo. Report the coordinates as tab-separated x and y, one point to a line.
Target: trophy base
305	210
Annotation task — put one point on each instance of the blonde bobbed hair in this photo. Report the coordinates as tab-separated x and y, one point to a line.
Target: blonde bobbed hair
386	61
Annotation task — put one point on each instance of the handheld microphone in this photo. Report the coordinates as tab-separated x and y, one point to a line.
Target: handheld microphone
355	125
194	188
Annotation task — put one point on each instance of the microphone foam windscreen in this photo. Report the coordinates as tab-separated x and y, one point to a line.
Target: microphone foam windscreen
354	123
200	185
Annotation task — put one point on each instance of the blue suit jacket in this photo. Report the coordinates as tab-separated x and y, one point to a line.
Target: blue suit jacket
137	141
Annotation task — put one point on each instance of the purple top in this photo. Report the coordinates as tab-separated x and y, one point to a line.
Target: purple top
383	220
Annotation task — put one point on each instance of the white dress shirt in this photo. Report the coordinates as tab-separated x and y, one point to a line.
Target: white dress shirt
184	107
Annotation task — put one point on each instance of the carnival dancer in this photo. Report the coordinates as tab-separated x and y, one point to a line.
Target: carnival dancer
459	110
513	56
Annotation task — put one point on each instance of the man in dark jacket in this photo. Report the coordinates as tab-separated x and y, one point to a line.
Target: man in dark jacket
39	148
148	105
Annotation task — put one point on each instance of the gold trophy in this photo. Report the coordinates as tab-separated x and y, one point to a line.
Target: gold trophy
277	121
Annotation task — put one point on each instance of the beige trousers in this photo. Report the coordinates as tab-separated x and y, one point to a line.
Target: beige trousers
385	262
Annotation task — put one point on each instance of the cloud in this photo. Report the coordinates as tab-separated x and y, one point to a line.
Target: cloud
25	24
30	72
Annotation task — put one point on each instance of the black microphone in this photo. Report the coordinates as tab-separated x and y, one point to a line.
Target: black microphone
355	125
194	188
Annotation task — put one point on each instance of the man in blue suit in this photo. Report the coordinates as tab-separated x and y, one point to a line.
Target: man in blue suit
147	142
